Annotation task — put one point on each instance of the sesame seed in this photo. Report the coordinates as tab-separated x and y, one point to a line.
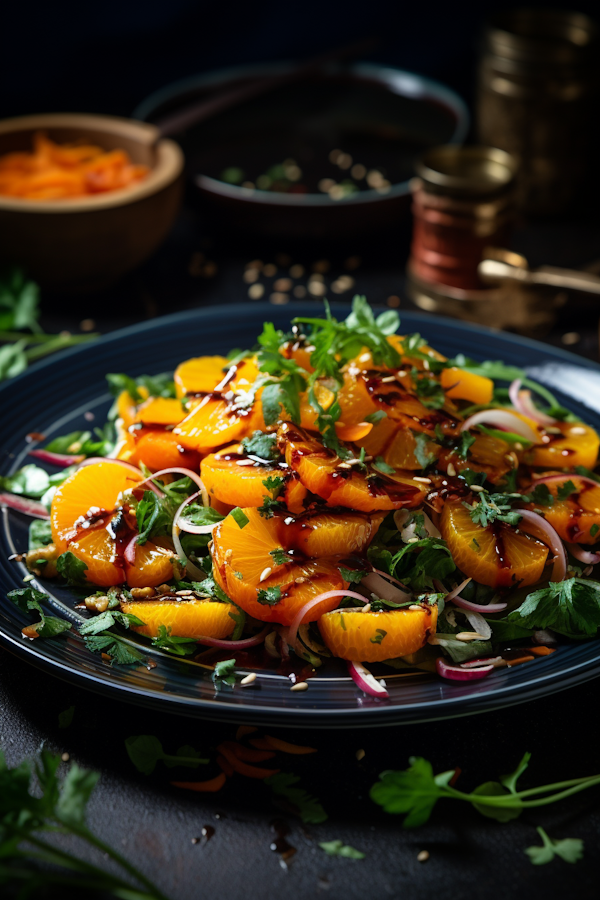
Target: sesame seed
577	430
451	470
416	607
360	754
477	488
422	480
300	686
423	856
366	608
65	757
249	679
265	573
184	593
245	462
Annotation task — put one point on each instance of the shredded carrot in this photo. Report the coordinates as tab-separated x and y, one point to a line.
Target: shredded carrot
285	746
225	766
520	659
260	743
211	786
243	730
243	768
247	753
56	171
540	651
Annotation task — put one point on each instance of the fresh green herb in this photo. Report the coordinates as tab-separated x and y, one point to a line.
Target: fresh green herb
262	445
419	563
34	802
542	496
270	507
224	673
28	600
40	534
565	490
428	390
375	417
473	477
71	569
338	848
415	791
494	508
587	473
155	386
114	646
379	636
569	849
353	576
283	389
147	512
82	443
239	617
145	751
423	455
280	556
269	596
594	529
570	607
239	517
308	807
107	620
274	485
30	481
178	646
381	466
65	718
508	437
466	440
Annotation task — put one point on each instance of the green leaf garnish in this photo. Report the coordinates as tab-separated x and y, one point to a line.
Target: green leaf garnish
145	751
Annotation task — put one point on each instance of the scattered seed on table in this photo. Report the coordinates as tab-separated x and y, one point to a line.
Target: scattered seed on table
393	301
299	686
249	679
423	856
360	754
297	271
571	337
65	757
279	299
255	291
269	270
299	291
89	416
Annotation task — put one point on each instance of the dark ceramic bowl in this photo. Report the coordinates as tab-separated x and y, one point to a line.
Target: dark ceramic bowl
382	117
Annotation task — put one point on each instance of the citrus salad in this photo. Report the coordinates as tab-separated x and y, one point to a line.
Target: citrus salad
338	491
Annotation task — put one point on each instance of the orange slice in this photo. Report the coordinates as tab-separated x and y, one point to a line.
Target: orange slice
318	534
395	444
577	445
184	618
377	636
498	555
322	472
243	567
159	449
199	375
232	477
575	517
160	411
460	384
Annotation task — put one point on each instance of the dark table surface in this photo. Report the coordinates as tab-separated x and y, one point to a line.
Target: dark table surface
157	825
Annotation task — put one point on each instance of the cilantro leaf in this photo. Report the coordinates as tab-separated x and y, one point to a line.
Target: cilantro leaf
274	485
114	646
419	563
28	600
594	529
413	792
466	440
542	496
308	807
381	466
155	385
40	534
107	619
510	781
147	512
569	849
565	490
179	646
66	717
491	508
473	477
224	673
378	636
71	569
353	576
29	481
570	607
262	445
376	417
270	507
145	751
269	596
239	516
428	390
100	442
338	848
280	556
423	455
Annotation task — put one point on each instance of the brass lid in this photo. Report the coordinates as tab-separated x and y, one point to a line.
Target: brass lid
541	36
466	171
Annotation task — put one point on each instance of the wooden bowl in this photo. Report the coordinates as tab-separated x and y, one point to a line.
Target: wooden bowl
87	243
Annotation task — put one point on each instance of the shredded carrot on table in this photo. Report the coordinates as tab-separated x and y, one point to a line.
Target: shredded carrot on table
242	767
540	651
210	786
285	746
57	171
249	754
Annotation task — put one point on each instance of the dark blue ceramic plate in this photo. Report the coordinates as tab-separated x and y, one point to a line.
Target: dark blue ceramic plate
52	398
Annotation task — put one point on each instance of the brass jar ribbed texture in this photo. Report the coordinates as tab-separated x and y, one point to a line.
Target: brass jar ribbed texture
537	88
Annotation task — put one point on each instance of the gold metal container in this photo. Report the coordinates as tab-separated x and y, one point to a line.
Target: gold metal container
537	83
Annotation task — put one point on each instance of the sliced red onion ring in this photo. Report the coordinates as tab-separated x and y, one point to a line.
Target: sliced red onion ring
523	403
494	661
191	568
365	681
457	673
537	526
565	476
62	460
25	505
375	584
188	526
584	556
505	419
454	597
93	460
390	578
235	645
402	516
179	471
307	607
478	624
129	553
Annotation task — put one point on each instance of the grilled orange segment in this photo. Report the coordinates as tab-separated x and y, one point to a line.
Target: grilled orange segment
377	636
243	566
497	555
82	509
396	445
126	408
185	618
325	474
230	412
575	517
160	411
199	375
160	449
460	384
325	534
577	445
232	477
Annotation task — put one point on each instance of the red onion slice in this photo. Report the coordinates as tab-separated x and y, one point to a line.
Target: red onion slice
478	624
180	471
495	661
25	505
188	526
304	610
454	597
536	525
94	460
129	552
565	476
390	578
235	645
402	516
61	460
375	584
365	681
504	419
457	673
189	565
523	403
584	556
